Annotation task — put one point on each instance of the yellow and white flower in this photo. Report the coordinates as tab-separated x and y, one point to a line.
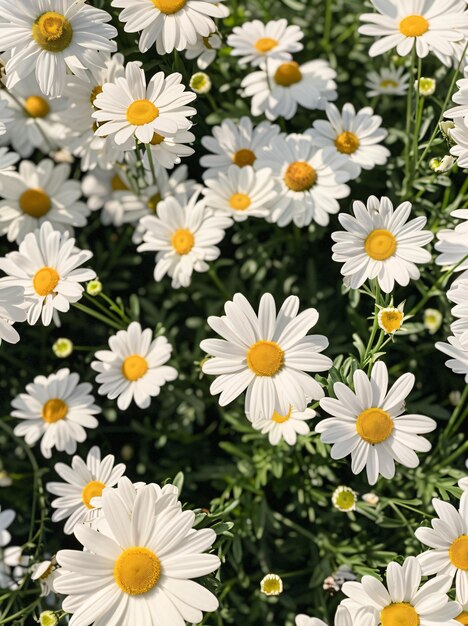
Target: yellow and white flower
142	567
433	320
45	573
390	318
134	367
51	37
285	427
356	135
184	234
278	90
39	193
81	483
55	409
268	354
171	24
370	424
344	499
271	585
458	294
343	617
392	81
47	266
457	350
452	244
12	309
204	50
235	143
256	43
380	243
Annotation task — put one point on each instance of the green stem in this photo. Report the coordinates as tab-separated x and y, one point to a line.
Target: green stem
104	309
460	409
115	307
328	24
151	162
98	316
217	281
409	120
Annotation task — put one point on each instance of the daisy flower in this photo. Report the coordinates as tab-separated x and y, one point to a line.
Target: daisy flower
380	243
344	499
12	310
82	482
428	26
452	244
171	24
457	350
356	135
51	37
268	354
237	144
6	519
458	294
459	134
168	151
362	617
185	236
6	116
204	50
271	585
391	81
309	180
130	108
47	266
370	424
13	567
143	567
7	161
278	90
46	573
256	43
285	427
133	368
403	601
241	193
460	98
390	319
448	539
39	193
55	409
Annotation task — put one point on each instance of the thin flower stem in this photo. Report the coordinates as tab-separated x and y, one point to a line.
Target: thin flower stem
115	307
98	316
460	410
104	309
328	24
151	162
409	120
217	281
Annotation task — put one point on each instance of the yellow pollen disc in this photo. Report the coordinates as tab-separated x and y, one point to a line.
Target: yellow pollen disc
280	419
265	44
265	358
169	6
137	571
118	184
391	320
36	106
35	202
157	139
374	425
142	112
380	244
52	31
153	202
182	241
244	157
47	573
388	83
414	26
300	176
271	586
347	143
345	500
239	201
54	410
458	553
92	490
45	280
288	74
94	93
134	367
462	618
399	614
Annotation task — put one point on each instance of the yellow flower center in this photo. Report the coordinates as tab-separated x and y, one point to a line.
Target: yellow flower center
118	184
399	614
134	367
271	585
169	6
347	143
288	74
157	139
414	26
54	410
244	157
92	490
47	573
458	553
94	93
52	31
45	280
137	570
182	241
265	358
265	44
153	202
388	83
239	202
300	176
35	202
345	500
374	425
142	112
462	618
391	320
380	244
36	106
281	419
